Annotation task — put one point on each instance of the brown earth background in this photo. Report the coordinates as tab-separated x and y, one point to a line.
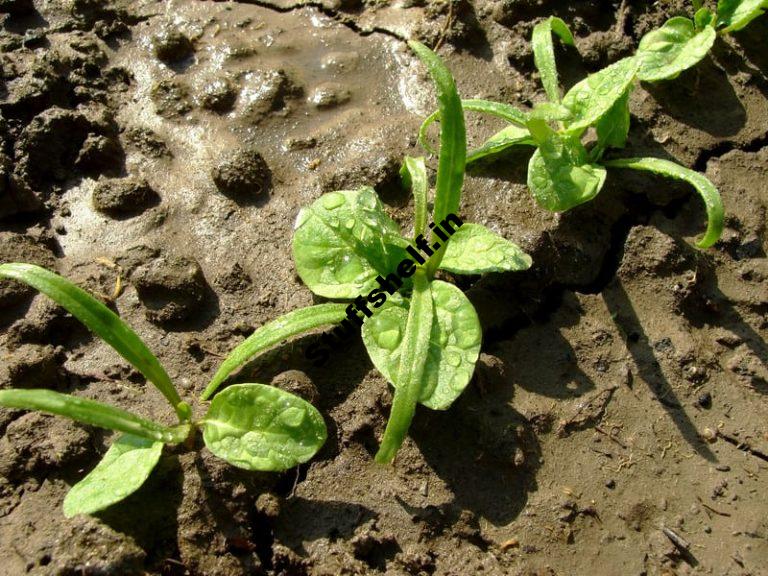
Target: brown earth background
157	154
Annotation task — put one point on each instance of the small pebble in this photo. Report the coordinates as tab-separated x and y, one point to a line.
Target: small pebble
610	484
704	400
328	95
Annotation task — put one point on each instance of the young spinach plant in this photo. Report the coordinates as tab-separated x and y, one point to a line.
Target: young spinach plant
251	426
421	333
683	42
563	173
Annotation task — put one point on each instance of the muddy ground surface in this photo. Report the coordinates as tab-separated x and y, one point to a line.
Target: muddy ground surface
157	153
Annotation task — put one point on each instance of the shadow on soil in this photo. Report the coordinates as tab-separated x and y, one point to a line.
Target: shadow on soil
620	307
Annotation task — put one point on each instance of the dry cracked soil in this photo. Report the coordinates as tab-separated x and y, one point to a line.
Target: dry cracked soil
157	153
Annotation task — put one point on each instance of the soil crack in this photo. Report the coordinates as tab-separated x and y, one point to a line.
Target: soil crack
335	15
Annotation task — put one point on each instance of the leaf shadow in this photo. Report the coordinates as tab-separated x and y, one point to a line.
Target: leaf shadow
487	453
623	313
708	86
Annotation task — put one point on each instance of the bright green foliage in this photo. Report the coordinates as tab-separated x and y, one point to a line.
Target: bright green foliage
474	249
704	187
271	334
559	175
130	460
91	412
734	15
343	241
259	427
613	128
425	343
123	469
563	172
544	52
414	353
453	348
99	319
593	97
673	48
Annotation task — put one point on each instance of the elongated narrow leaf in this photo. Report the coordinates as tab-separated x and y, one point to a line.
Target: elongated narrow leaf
414	174
454	344
544	52
272	333
343	241
594	96
559	176
102	321
733	15
92	412
453	138
503	140
498	109
259	427
414	354
667	52
123	469
703	186
613	128
474	249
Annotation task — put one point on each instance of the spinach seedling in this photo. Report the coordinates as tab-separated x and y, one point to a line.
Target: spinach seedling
683	42
562	172
425	337
251	426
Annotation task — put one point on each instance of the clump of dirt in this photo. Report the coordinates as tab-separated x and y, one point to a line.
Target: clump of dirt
618	406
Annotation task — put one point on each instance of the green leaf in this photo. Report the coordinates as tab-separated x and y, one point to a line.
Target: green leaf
453	141
272	333
259	427
558	173
414	175
454	344
703	18
124	468
414	354
100	320
703	186
665	53
734	15
343	241
503	140
474	249
613	128
594	96
503	111
544	52
92	412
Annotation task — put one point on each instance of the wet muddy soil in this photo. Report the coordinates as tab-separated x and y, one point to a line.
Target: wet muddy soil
157	153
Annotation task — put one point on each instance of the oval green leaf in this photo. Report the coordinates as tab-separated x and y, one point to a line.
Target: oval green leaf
454	344
123	469
474	249
734	15
667	52
343	241
260	427
101	321
594	96
705	188
613	128
558	174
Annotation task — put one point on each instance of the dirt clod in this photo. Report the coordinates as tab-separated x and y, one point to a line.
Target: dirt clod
171	45
243	174
172	288
124	196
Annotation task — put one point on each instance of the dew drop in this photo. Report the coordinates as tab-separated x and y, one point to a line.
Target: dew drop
452	358
389	339
332	200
